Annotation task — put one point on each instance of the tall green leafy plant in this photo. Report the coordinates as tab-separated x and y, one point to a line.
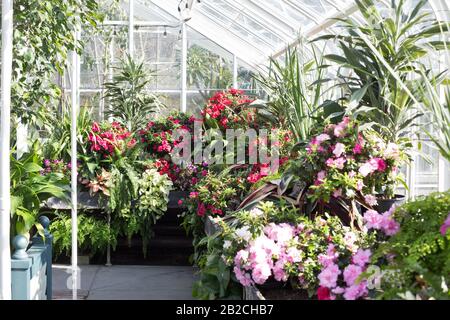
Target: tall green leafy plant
30	188
129	101
438	110
379	61
43	38
295	90
207	71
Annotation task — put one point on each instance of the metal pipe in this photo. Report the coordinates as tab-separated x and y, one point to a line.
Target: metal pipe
5	197
235	72
183	68
73	158
131	29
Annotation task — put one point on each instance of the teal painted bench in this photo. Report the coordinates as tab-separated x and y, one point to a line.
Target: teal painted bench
31	266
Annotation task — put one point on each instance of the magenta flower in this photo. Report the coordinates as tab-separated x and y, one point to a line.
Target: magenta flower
357	149
445	226
362	257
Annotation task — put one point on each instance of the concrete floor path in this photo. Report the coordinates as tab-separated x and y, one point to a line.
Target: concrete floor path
123	282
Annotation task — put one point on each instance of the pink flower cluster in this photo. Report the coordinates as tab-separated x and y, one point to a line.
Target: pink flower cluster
348	162
383	222
371	166
445	226
108	137
331	275
268	255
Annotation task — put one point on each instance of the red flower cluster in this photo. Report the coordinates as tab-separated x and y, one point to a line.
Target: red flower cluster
106	138
158	136
260	170
202	209
225	107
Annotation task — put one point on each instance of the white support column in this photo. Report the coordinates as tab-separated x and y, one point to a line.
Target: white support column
183	67
73	155
5	198
131	29
235	72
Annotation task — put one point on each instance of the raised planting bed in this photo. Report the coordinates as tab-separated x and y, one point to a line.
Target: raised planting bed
92	202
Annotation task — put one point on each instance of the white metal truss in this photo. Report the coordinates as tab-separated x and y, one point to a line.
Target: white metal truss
216	33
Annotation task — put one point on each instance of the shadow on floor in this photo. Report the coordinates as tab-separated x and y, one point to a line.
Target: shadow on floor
120	282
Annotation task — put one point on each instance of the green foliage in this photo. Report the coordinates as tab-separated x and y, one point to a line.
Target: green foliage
420	254
215	275
94	234
207	70
127	96
384	54
439	113
29	189
153	197
295	89
57	127
43	38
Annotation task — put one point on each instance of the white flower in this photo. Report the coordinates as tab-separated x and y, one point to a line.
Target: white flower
226	244
339	148
371	200
392	151
365	169
322	137
243	233
256	212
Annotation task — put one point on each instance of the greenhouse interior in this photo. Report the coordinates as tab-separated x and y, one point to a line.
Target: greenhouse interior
225	150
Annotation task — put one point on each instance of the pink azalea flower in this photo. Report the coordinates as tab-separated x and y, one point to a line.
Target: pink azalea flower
351	272
339	130
338	290
366	169
349	240
329	275
371	200
261	272
337	193
389	226
339	148
445	226
355	291
359	185
322	137
329	162
373	219
320	176
293	255
339	163
362	257
278	271
392	151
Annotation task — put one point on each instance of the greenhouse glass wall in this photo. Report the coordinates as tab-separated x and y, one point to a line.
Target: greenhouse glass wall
118	127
